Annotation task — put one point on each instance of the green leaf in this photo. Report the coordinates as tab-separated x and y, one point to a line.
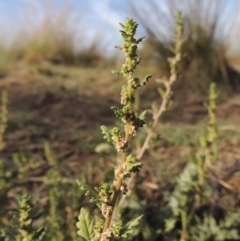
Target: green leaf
140	40
142	115
106	133
85	225
88	191
118	112
117	73
133	165
39	235
170	224
129	227
187	178
186	183
124	34
145	80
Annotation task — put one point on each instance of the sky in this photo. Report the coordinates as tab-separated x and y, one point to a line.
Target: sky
97	19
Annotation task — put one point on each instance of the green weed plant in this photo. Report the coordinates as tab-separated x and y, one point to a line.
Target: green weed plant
106	196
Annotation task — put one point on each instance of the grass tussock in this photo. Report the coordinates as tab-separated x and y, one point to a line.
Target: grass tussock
58	36
210	29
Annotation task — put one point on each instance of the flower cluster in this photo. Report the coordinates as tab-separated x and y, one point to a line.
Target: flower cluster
107	235
111	233
134	83
121	171
105	192
120	144
131	121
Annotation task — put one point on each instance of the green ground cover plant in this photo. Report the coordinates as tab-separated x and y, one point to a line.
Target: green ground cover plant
189	206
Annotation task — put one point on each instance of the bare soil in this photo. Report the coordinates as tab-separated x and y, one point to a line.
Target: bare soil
70	119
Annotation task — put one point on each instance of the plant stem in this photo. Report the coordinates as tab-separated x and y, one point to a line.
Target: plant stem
119	184
165	99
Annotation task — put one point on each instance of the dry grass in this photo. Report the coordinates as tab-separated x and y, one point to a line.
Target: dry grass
210	29
56	36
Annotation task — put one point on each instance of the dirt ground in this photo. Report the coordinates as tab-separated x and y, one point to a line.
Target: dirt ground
69	119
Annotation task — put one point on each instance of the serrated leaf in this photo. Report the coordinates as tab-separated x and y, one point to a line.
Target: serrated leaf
133	165
106	133
85	225
88	191
185	183
129	227
174	203
118	112
187	178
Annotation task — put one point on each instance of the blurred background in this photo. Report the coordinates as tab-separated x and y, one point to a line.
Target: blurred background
78	32
56	58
